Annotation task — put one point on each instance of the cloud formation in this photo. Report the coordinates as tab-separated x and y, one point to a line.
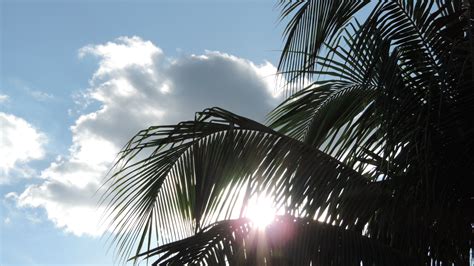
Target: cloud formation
20	143
137	86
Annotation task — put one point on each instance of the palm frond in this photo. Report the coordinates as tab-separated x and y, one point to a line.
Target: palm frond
406	122
312	23
287	241
379	147
198	170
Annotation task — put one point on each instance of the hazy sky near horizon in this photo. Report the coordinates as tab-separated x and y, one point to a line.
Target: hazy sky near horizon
78	78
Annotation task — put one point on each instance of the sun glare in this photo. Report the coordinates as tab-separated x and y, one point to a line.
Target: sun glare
261	211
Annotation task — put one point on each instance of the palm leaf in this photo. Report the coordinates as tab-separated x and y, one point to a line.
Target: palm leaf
379	147
198	170
313	23
287	241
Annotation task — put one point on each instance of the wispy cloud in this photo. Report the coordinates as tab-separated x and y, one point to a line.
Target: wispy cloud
4	98
40	95
37	94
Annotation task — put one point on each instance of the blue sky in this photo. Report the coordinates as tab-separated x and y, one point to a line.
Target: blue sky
78	78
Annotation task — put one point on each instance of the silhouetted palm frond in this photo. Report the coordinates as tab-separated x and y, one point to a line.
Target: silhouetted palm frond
287	241
197	171
392	100
375	140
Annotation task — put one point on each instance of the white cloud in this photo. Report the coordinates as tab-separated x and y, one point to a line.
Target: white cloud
69	207
20	143
137	85
122	53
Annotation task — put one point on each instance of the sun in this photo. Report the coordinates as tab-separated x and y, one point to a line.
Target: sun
261	211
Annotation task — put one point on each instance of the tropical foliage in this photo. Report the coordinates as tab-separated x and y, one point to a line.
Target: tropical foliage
369	157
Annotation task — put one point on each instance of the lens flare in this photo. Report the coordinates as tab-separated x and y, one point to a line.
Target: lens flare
261	211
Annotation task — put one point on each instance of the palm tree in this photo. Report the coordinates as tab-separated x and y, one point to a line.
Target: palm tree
369	159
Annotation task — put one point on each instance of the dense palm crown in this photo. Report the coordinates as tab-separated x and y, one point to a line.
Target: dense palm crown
369	159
